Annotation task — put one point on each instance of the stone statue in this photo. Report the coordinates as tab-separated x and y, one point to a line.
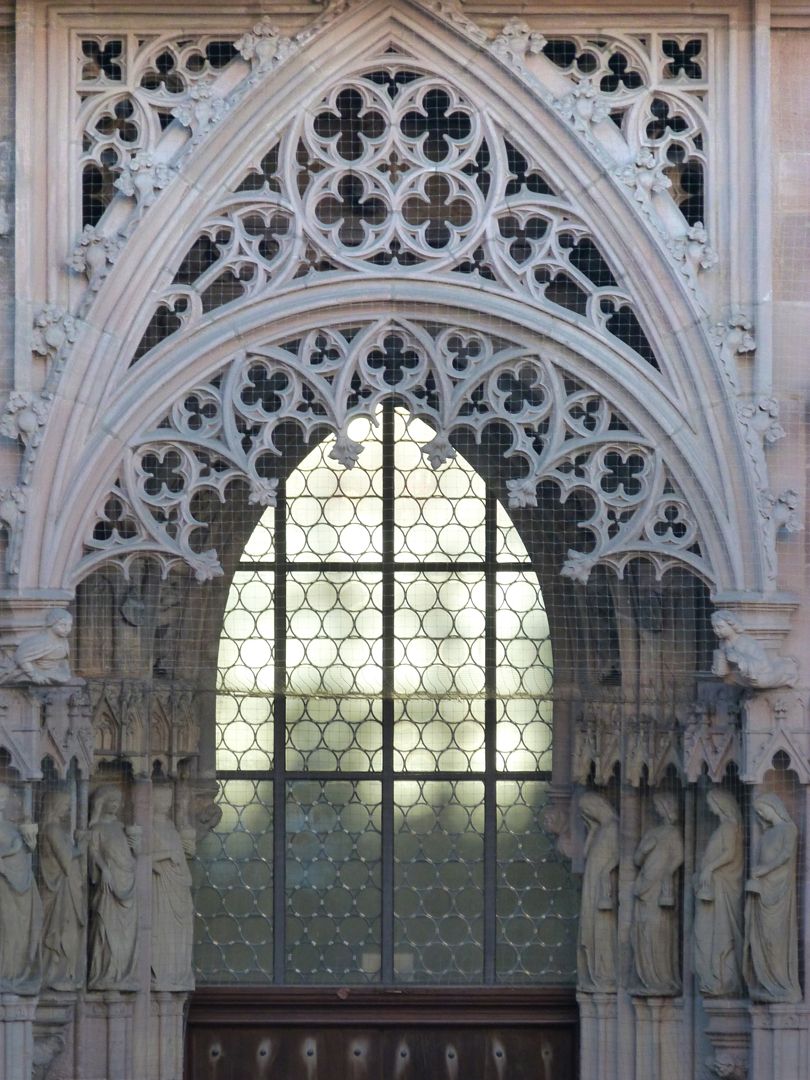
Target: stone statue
771	958
718	929
62	870
20	905
113	897
44	656
596	949
742	658
654	932
172	906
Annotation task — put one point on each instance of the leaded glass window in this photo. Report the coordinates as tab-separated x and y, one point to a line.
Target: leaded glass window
384	735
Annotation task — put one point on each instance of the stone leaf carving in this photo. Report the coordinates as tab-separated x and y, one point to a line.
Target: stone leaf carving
54	330
43	656
597	943
733	338
172	904
584	106
264	45
742	659
202	109
771	959
760	421
654	930
142	177
63	871
24	416
726	1066
516	41
113	896
94	254
718	884
20	905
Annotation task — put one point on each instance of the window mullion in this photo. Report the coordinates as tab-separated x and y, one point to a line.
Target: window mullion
388	601
491	723
279	738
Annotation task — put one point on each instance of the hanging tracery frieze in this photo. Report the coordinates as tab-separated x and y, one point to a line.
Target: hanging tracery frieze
464	383
397	169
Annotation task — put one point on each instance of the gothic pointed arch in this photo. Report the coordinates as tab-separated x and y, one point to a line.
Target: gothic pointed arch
462	189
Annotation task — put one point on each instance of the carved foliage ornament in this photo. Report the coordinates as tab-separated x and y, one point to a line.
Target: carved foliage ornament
465	384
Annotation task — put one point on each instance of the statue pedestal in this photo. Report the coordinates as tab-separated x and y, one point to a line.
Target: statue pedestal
728	1033
103	1035
53	1028
659	1039
780	1041
598	1033
16	1036
166	1037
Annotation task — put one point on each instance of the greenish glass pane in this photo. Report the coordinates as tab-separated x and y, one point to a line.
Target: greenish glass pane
233	887
438	881
537	895
335	513
340	733
246	654
443	733
334	627
333	873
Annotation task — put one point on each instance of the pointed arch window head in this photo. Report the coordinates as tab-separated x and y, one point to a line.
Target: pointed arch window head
385	686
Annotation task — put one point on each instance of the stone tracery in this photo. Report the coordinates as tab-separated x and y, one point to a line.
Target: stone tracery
459	381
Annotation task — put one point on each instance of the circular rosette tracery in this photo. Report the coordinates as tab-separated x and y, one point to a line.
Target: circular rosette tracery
394	168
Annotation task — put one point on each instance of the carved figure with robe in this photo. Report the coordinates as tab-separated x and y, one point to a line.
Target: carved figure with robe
113	897
654	930
172	904
771	959
20	905
62	871
718	929
596	948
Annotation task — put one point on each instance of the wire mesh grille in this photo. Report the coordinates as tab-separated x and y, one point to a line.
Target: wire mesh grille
385	623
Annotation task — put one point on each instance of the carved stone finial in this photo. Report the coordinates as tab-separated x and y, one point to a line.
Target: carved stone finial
263	45
94	254
44	656
202	109
24	416
54	329
646	176
142	176
742	659
517	40
584	106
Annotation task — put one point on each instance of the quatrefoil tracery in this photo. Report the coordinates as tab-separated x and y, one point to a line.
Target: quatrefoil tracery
467	385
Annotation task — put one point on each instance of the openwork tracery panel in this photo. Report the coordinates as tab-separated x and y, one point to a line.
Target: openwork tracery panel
399	171
468	385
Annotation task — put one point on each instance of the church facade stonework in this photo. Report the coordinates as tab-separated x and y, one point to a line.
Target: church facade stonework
569	247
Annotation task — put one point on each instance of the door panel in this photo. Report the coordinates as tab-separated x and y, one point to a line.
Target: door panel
416	1036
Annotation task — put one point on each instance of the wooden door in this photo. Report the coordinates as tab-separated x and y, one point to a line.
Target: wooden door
408	1034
